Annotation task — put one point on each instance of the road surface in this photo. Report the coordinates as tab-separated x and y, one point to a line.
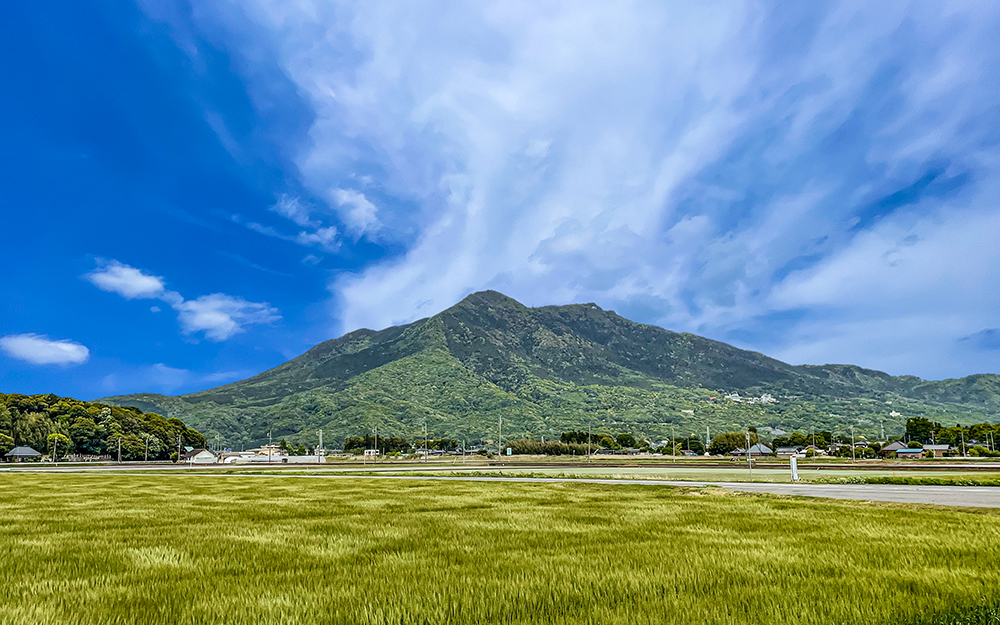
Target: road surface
962	496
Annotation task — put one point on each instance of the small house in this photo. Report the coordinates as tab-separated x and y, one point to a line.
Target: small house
786	452
910	453
760	449
20	454
939	450
199	456
891	449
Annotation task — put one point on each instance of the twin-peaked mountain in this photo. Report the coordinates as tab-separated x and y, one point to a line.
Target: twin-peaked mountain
549	369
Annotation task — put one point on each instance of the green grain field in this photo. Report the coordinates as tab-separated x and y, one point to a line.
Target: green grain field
256	549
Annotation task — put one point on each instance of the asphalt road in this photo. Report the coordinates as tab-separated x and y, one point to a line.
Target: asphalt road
962	496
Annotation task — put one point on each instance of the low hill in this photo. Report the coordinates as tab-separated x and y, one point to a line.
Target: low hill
90	428
549	369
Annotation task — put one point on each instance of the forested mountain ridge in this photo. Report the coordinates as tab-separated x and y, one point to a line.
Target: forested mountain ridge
548	368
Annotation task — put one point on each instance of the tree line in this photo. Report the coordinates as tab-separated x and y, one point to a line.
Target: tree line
69	427
396	444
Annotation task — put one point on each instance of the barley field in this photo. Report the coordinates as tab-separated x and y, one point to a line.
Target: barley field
261	549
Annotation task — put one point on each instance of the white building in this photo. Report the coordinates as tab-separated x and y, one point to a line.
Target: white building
200	456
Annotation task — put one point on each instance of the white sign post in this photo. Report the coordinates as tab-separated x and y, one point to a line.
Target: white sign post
793	463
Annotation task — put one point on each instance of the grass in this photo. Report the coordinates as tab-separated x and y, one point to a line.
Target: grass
261	549
954	480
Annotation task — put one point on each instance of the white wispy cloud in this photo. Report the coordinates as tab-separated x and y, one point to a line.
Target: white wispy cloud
326	237
358	211
703	165
129	282
218	316
222	316
39	349
295	209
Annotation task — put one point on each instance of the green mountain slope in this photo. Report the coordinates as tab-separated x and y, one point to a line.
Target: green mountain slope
549	369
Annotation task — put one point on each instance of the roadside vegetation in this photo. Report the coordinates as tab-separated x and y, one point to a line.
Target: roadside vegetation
231	549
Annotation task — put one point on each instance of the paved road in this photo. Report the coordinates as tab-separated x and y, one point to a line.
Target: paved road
964	496
968	496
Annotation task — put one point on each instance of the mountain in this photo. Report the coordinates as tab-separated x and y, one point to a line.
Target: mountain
550	369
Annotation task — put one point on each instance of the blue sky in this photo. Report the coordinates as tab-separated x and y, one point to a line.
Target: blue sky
195	192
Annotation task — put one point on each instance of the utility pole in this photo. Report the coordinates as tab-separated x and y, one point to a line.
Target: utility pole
964	454
269	446
708	439
749	459
673	440
590	428
500	436
178	448
55	450
427	449
119	450
853	458
146	457
320	449
376	443
881	427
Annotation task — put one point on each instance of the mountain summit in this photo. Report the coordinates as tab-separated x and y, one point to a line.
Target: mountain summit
548	369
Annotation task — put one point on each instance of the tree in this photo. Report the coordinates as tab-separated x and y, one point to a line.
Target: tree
6	443
85	435
133	447
58	446
726	442
797	439
625	440
920	429
6	422
573	437
32	429
696	446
